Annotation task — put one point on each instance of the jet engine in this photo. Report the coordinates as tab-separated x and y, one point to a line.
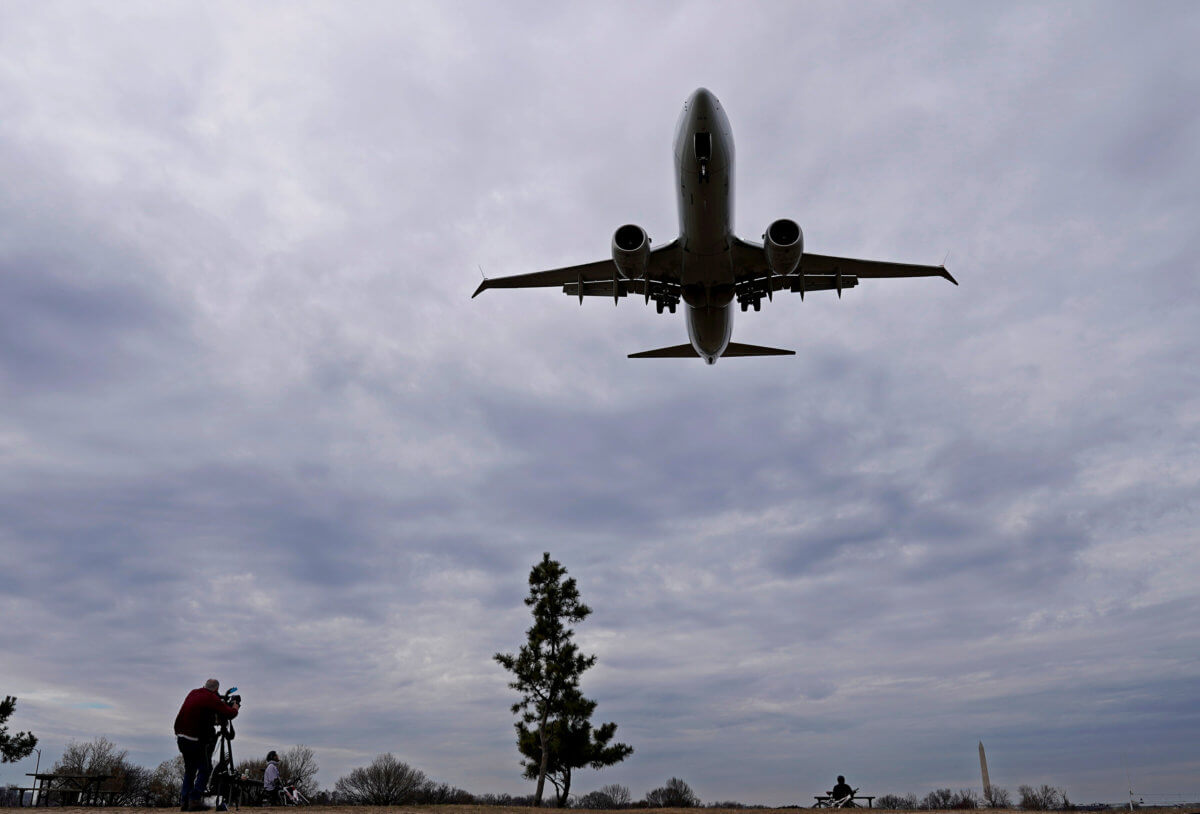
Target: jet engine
784	245
631	251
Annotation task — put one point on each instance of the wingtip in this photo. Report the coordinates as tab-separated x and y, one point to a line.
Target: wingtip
948	275
479	290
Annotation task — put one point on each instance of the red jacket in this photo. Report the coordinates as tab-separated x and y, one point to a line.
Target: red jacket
197	717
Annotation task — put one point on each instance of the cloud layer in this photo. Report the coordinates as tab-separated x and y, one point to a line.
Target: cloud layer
253	427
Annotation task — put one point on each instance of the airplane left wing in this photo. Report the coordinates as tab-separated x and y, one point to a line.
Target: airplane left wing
598	278
823	264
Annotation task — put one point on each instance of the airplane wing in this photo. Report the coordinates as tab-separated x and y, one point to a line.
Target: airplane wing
824	264
820	271
598	278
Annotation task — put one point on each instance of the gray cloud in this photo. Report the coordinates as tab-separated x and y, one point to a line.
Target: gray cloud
254	427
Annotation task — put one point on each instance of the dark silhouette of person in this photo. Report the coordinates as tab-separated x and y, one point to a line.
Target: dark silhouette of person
841	793
195	733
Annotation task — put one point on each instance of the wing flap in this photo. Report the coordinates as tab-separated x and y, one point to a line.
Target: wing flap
604	288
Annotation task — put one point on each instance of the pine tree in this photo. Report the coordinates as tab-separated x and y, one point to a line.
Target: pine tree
555	734
18	745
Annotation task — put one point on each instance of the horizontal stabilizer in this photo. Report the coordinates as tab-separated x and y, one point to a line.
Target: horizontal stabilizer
673	352
738	349
688	352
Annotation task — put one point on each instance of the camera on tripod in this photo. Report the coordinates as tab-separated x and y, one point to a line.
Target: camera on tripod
223	781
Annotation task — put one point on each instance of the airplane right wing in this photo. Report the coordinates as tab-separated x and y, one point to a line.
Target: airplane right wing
601	278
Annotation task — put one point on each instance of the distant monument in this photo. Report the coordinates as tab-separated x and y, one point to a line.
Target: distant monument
987	785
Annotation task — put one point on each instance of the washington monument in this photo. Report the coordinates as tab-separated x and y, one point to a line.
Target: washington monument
987	785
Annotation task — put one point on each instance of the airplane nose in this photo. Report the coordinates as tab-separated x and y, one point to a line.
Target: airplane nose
701	104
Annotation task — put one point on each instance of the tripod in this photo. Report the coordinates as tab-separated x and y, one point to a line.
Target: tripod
223	782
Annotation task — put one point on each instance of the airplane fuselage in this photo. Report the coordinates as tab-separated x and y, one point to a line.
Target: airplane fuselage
704	181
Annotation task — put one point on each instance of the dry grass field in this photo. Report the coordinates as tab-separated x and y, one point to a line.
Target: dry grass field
460	809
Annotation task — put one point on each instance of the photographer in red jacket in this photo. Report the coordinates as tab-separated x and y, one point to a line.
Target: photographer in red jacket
196	734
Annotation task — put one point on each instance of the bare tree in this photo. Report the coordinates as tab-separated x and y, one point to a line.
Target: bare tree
676	794
965	799
441	794
166	782
99	756
612	796
386	782
897	802
938	800
128	783
996	797
1046	798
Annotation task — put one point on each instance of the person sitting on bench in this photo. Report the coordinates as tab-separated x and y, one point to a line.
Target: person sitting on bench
271	783
841	796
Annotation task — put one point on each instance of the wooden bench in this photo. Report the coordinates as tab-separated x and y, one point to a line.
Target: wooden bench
826	801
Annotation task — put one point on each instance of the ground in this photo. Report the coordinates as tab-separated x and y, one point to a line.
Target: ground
518	810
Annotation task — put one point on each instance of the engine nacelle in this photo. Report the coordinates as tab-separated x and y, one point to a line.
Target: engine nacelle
784	245
631	251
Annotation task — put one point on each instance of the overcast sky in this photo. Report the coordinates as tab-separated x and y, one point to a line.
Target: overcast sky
252	425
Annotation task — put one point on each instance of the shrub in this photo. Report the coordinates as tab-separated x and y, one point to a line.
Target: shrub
609	797
938	800
386	782
1046	798
996	797
902	802
676	794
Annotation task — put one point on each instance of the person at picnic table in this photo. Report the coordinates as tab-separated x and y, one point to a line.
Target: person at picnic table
841	792
196	735
271	776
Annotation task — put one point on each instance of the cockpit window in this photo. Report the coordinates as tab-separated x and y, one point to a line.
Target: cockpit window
703	146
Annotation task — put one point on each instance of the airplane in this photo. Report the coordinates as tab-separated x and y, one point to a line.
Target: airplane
708	266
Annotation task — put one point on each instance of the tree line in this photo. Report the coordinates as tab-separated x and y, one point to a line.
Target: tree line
555	738
383	782
389	781
1029	798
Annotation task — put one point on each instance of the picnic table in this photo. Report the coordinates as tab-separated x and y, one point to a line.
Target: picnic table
826	801
77	789
235	791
